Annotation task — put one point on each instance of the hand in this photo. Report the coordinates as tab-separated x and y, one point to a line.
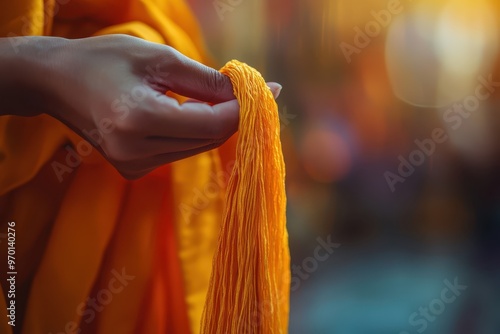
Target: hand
111	91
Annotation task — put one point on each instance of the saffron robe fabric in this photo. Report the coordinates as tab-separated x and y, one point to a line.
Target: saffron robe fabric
96	252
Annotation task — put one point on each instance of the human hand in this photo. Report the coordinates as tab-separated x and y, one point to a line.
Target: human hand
114	86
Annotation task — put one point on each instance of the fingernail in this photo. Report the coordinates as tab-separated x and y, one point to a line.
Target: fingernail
277	90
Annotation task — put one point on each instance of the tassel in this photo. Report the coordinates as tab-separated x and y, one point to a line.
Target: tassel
249	287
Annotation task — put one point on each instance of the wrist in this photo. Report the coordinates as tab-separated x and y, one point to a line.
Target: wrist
29	75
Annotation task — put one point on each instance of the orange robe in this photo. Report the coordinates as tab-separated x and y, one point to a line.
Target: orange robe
95	252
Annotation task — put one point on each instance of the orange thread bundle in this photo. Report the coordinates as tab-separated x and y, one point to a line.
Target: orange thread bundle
250	281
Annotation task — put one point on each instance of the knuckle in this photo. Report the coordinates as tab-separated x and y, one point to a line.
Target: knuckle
216	84
170	57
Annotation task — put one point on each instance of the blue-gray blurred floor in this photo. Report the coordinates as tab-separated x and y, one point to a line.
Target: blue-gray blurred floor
374	291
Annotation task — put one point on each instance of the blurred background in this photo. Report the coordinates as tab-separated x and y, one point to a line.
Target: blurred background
390	131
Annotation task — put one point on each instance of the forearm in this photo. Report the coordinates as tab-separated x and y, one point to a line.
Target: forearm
26	75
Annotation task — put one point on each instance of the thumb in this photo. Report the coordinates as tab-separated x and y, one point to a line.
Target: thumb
192	79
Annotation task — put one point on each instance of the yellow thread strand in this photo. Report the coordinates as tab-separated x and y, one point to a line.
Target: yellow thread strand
250	281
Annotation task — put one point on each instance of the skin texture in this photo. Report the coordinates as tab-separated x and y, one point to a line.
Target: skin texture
120	81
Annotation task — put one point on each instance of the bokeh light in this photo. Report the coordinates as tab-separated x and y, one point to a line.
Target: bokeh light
367	83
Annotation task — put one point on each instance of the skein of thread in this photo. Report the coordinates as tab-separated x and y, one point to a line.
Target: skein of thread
250	282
